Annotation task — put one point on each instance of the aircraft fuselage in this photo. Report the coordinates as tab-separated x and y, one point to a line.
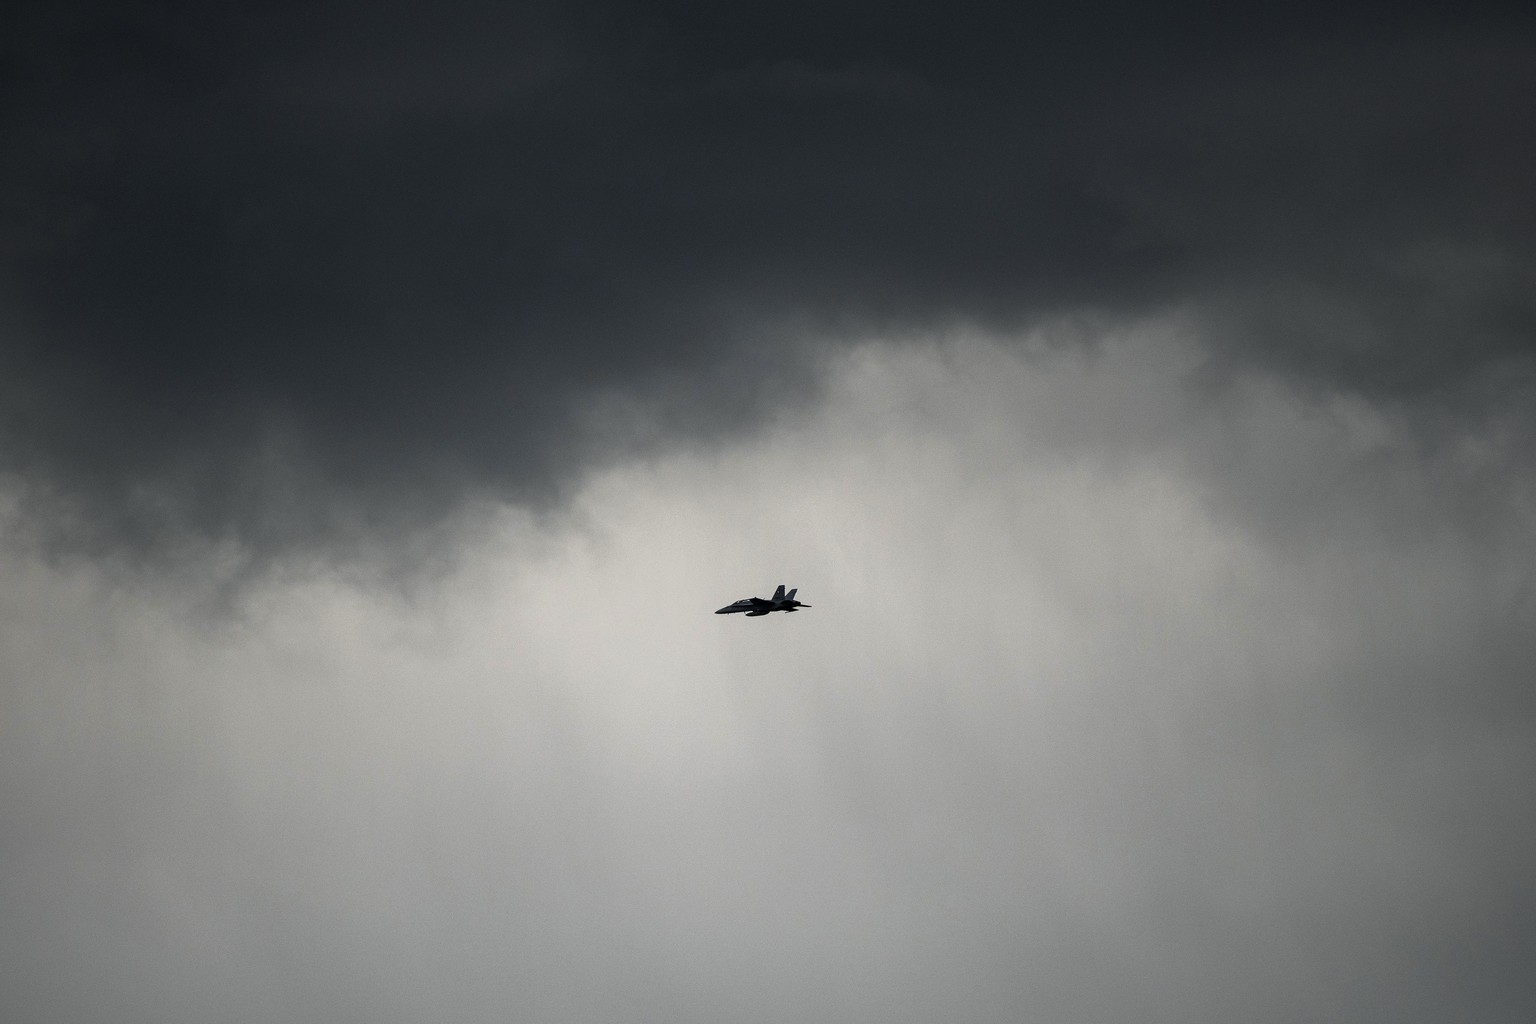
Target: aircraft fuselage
755	606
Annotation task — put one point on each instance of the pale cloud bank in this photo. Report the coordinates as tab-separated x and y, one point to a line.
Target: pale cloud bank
1128	694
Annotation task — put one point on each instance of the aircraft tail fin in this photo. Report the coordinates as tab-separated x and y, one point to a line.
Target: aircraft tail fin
790	595
778	595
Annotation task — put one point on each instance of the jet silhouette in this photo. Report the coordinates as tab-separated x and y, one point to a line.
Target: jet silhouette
780	602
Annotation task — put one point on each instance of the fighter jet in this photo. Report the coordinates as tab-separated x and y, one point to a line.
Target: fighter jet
780	602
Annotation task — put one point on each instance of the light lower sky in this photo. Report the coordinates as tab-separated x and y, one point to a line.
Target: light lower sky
1134	688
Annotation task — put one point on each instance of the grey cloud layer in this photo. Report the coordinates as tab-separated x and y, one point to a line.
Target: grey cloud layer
1069	735
280	277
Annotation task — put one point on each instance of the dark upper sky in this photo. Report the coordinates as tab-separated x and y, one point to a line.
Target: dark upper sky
274	271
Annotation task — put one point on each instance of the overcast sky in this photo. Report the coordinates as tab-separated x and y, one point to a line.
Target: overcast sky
1143	398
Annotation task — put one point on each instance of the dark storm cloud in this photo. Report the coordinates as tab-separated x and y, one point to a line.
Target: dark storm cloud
286	274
